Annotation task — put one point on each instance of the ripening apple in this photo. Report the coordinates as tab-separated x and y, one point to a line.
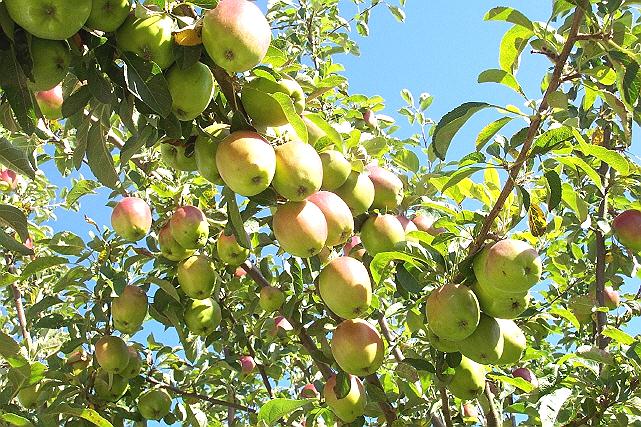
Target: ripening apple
345	287
336	169
527	375
441	344
8	179
129	309
453	312
357	347
246	162
408	227
78	361
50	103
263	109
236	35
109	389
485	345
354	248
468	381
340	222
388	188
500	305
357	192
314	132
112	354
299	171
131	219
230	251
205	151
240	272
470	411
309	392
189	227
191	90
51	61
134	367
197	276
271	298
370	119
514	342
279	327
349	406
169	247
202	317
247	364
150	38
381	233
300	228
49	19
154	404
627	229
424	223
178	155
108	15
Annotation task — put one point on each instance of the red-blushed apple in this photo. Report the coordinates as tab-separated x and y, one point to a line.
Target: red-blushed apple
352	243
281	327
247	364
240	272
300	228
349	406
340	223
388	188
627	229
131	218
345	287
381	233
169	247
230	251
424	223
470	410
189	227
527	375
370	119
611	297
309	392
50	102
8	179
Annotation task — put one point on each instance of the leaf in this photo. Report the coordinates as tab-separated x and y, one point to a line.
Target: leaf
15	158
42	263
407	159
501	77
451	123
13	245
567	315
10	351
87	414
517	382
331	133
15	88
382	260
99	158
135	143
581	164
554	184
397	12
550	405
79	189
407	281
76	102
15	219
536	220
82	137
420	364
15	420
293	118
618	335
234	216
508	14
489	131
460	175
276	409
616	160
551	139
145	80
166	286
512	44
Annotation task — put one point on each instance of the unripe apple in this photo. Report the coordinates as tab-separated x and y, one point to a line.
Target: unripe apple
28	396
108	15
202	317
154	404
169	247
247	364
388	188
485	345
345	287
205	151
357	192
129	309
314	132
336	169
191	90
230	251
264	110
357	347
408	226
424	223
178	155
309	392
340	223
381	233
78	361
8	179
349	406
189	227
300	228
527	375
468	380
453	312
627	229
299	171
197	276
50	103
109	389
500	305
150	38
514	342
470	410
271	298
112	354
441	344
134	367
131	219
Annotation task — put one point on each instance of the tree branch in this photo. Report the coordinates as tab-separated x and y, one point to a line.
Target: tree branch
17	301
492	414
386	407
445	406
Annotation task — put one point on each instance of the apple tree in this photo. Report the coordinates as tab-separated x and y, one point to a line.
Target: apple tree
277	255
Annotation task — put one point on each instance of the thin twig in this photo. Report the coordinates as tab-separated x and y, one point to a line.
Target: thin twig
492	414
17	300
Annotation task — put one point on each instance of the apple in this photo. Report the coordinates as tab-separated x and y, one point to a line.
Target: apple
108	15
612	299
169	247
388	188
246	162
370	119
129	309
468	381
280	327
236	35
154	404
197	276
424	223
514	342
134	367
508	266
357	347
109	389
189	227
205	151
49	19
527	375
345	287
51	61
441	344
353	245
8	179
470	411
202	317
264	110
627	229
192	89
78	361
150	38
247	364
240	272
314	132
340	223
28	396
336	169
229	251
131	218
299	171
309	392
300	228
453	312
500	305
50	103
271	298
178	155
381	233
357	192
349	406
408	227
485	345
112	354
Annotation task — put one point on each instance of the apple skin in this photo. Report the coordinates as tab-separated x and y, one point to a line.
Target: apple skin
247	364
449	323
352	246
501	305
423	223
108	15
470	411
51	61
134	367
340	223
240	272
112	354
299	171
514	342
508	266
28	396
189	227
205	151
191	90
129	309
202	317
370	119
150	38
345	287
236	35
154	404
336	169
300	228
197	276
229	251
485	345
49	19
131	219
468	380
357	347
441	344
50	103
349	407
271	299
280	327
388	188
169	247
527	375
314	133
177	155
9	179
381	233
309	392
612	299
357	192
78	361
246	162
408	227
627	229
264	110
109	390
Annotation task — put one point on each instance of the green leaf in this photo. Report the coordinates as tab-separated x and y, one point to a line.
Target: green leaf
451	123
516	382
512	44
551	139
145	80
276	409
331	133
293	117
407	159
79	189
87	414
16	219
567	315
489	131
616	160
10	351
234	216
20	97
382	260
420	364
76	102
501	77
15	420
82	138
166	286
581	164
397	12
554	184
135	143
574	201
42	263
15	158
99	158
551	404
618	335
460	175
13	245
508	14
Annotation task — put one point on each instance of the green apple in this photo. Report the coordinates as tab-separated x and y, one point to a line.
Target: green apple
129	309
154	404
191	90
264	110
357	347
299	171
271	299
205	151
134	367
109	389
49	19
112	354
197	276
51	61
340	223
169	247
336	169
441	344
357	192
468	381
230	251
150	38
514	342
388	188
202	317
501	305
189	227
381	233
300	228
452	312
179	155
314	132
485	344
108	15
349	406
345	287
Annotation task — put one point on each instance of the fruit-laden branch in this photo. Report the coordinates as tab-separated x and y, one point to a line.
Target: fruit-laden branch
492	414
17	300
445	406
198	396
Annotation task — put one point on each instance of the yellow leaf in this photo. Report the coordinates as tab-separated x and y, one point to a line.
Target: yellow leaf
536	220
597	137
189	36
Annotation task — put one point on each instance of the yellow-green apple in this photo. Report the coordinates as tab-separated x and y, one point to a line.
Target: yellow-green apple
109	389
408	227
299	171
191	90
50	103
134	366
131	218
236	35
189	227
499	304
357	192
264	110
453	312
202	317
309	392
627	229
108	15
246	162
49	19
205	151
424	223
247	364
169	247
230	251
78	361
51	60
527	375
154	404
197	276
381	233
345	287
508	266
340	223
179	155
28	396
150	38
514	342
8	179
354	248
357	347
300	228
271	298
485	345
336	169
388	188
112	354
348	404
468	381
129	309
441	344
314	132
